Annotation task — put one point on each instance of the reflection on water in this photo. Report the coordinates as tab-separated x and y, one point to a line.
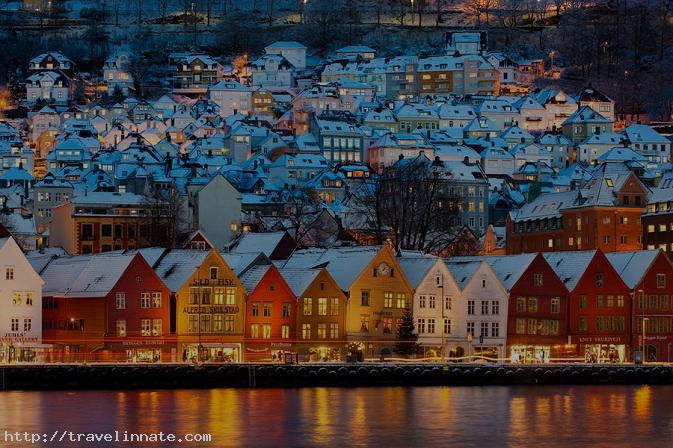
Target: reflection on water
386	417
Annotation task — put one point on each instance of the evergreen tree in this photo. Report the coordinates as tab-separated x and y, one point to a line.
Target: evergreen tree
405	334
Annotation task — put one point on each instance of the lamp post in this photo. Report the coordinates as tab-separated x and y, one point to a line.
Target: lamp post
645	319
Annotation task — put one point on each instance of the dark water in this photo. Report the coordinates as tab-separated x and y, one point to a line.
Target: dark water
384	417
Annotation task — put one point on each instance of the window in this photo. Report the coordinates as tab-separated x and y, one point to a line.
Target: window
120	300
29	298
230	296
599	279
483	329
484	307
322	331
431	302
254	330
470	307
205	323
213	273
583	302
156	327
16	298
205	296
364	323
322	306
193	323
620	301
402	300
145	327
532	305
431	326
9	273
334	331
470	328
599	301
521	326
364	297
193	296
306	331
229	320
421	302
495	330
121	328
495	307
388	325
447	303
555	305
266	331
582	324
285	331
520	304
15	324
106	230
610	301
218	323
218	296
267	310
661	280
156	300
285	310
538	279
145	299
255	309
532	326
387	299
308	306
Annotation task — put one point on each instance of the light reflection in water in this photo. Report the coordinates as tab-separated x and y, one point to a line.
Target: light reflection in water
386	417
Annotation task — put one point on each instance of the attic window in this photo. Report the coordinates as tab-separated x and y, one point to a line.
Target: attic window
609	182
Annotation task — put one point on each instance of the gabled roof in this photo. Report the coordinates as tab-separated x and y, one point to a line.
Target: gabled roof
251	278
299	280
255	243
570	266
462	270
85	275
177	266
416	266
586	114
632	266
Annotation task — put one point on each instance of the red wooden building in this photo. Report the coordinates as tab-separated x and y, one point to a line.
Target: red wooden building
271	314
599	306
649	274
106	307
537	317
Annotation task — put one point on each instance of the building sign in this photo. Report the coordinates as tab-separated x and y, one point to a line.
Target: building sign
383	313
213	282
598	339
17	337
144	342
211	309
281	344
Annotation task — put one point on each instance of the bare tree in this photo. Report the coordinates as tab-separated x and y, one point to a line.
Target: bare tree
415	204
163	7
440	5
116	6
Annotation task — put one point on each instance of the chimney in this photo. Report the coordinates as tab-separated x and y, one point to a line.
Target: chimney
210	153
400	157
466	160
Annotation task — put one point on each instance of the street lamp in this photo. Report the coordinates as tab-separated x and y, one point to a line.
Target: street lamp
645	319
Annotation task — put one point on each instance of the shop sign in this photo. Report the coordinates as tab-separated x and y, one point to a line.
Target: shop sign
213	282
281	344
656	338
17	337
149	342
598	339
211	309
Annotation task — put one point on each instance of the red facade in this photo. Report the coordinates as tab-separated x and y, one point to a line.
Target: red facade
600	313
653	302
271	317
537	324
140	301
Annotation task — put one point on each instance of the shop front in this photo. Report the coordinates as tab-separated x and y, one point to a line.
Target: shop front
489	352
601	349
21	349
530	354
321	353
146	351
211	352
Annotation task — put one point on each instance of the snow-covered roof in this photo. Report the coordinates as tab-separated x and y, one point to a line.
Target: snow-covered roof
632	266
462	271
178	265
570	265
299	280
251	278
257	243
416	266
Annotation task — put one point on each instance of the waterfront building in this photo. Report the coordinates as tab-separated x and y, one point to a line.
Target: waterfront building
320	311
484	307
657	220
209	303
600	305
20	304
435	304
270	314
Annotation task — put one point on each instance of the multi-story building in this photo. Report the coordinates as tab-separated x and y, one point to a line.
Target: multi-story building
469	74
596	100
21	305
294	52
97	222
272	71
116	73
232	97
585	122
483	304
658	216
600	306
194	73
49	192
321	314
649	143
339	140
604	213
209	302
